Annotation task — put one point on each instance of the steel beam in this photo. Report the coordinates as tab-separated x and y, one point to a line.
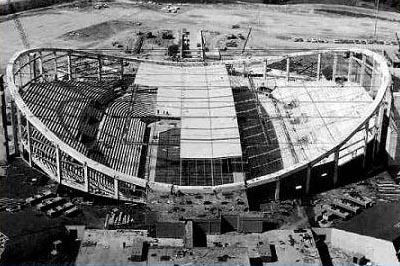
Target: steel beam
277	189
308	179
334	69
58	162
319	66
335	167
287	68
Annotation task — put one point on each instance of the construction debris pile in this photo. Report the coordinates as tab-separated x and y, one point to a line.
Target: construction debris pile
11	205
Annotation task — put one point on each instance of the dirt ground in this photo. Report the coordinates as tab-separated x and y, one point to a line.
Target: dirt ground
272	26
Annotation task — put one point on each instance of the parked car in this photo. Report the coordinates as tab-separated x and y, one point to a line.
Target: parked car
298	39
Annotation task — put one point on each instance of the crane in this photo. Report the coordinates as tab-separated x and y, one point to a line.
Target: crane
247	38
18	25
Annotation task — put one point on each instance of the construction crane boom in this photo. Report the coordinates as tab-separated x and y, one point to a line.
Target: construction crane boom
247	38
18	25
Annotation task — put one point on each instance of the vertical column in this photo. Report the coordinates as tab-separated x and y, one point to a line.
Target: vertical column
116	188
58	162
287	68
277	189
31	67
335	167
212	172
374	144
34	65
55	66
5	144
350	68
202	54
28	133
265	69
365	144
334	69
15	128
362	74
373	73
86	176
308	178
183	43
19	133
99	70
122	69
69	66
40	67
319	66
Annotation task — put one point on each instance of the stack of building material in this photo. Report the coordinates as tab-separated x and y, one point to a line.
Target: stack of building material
337	211
57	210
347	205
39	197
72	212
389	189
49	203
359	200
118	220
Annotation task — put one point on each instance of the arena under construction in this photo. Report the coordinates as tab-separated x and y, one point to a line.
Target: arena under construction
118	127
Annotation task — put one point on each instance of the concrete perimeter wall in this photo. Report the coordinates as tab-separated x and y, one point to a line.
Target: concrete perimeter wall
379	251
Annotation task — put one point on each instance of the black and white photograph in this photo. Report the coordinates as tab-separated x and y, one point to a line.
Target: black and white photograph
200	132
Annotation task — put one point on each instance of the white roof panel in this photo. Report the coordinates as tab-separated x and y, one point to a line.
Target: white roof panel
202	98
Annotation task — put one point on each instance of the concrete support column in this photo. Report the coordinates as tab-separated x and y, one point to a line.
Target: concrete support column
277	189
365	144
116	188
362	72
19	132
4	146
40	67
334	68
265	69
287	68
122	69
58	162
29	141
183	43
32	73
319	66
373	73
69	66
202	53
335	167
15	128
350	68
86	176
380	115
99	69
374	144
308	179
55	66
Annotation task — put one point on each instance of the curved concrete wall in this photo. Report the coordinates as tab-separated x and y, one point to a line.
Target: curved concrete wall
86	177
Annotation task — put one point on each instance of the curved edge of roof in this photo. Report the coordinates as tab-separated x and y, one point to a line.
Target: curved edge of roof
157	186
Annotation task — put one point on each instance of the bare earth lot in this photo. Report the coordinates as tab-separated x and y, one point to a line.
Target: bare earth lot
273	26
